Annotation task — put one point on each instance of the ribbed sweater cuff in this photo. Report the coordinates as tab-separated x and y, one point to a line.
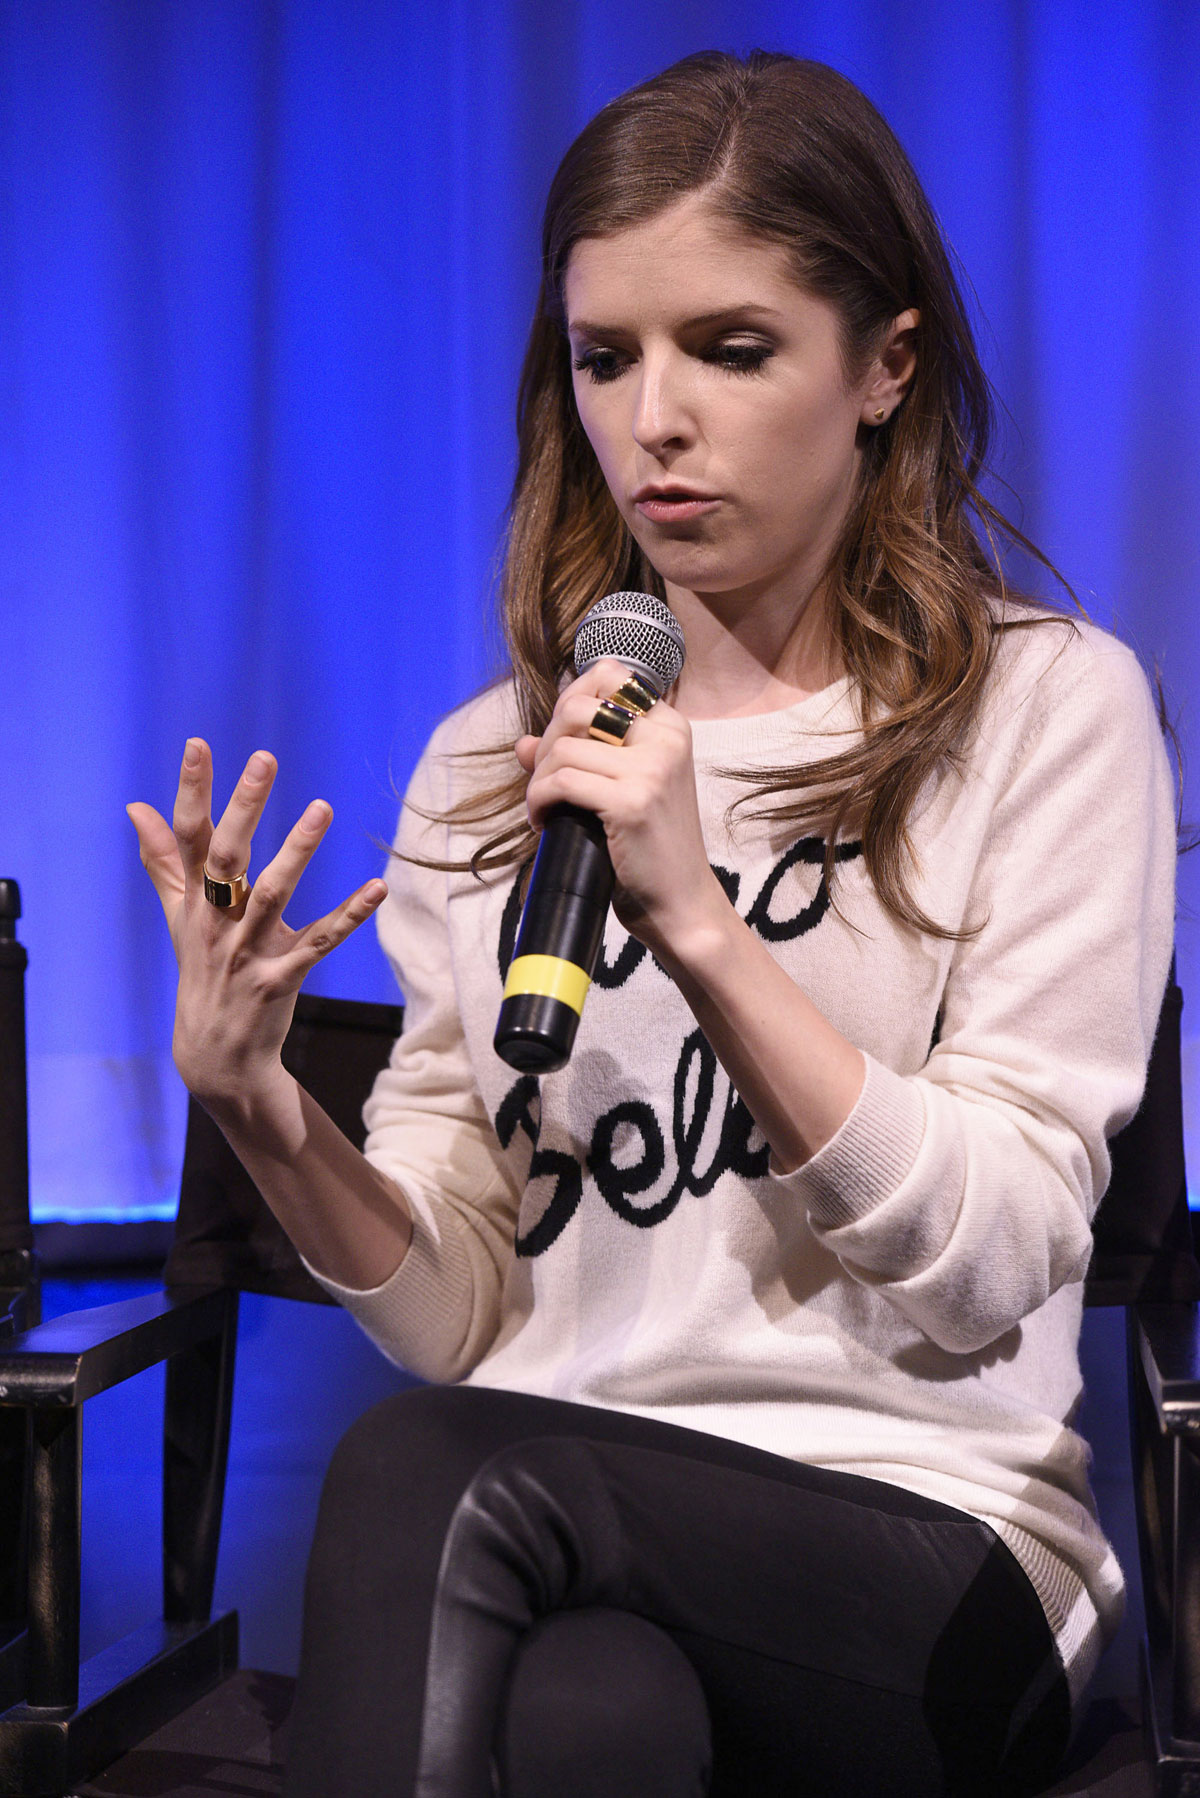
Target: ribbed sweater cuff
407	1315
868	1158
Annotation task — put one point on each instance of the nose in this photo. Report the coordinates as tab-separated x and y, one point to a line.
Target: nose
662	419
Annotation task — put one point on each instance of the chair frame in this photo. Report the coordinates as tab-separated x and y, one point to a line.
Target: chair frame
20	1291
1164	1383
73	1719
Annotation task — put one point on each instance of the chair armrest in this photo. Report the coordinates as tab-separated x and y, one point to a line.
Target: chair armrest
1167	1338
69	1359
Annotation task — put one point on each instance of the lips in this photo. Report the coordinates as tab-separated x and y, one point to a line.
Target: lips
664	505
668	490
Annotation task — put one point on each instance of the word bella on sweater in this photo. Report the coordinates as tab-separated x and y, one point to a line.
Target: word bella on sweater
740	1147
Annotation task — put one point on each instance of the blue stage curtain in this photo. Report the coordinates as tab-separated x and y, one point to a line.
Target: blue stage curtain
265	273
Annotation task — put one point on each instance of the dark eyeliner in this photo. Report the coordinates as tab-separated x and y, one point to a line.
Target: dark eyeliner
741	358
588	362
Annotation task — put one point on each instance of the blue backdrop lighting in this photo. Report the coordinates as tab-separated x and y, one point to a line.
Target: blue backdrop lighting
265	273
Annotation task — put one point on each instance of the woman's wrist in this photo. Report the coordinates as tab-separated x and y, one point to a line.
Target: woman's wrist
695	940
797	1074
259	1100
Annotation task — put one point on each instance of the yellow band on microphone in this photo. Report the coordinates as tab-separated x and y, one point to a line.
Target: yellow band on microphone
547	977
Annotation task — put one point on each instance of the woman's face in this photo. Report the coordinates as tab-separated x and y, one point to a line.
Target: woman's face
712	389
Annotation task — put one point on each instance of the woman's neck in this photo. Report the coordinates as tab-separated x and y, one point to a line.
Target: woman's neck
750	653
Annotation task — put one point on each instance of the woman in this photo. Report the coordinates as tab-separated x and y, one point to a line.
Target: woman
760	1478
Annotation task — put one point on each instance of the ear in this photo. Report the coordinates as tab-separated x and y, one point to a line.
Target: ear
892	369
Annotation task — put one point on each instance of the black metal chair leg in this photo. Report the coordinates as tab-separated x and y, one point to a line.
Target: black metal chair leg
1185	1695
199	1404
54	1546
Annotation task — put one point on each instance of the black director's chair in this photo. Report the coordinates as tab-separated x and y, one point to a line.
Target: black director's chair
166	1712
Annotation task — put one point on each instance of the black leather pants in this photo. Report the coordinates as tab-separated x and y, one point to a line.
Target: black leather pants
514	1595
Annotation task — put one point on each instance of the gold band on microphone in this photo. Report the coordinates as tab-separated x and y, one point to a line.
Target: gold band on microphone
632	699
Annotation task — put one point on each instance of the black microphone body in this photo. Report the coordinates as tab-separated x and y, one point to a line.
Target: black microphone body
571	885
570	890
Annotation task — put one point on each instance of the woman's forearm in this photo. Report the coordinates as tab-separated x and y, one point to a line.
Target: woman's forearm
347	1219
799	1077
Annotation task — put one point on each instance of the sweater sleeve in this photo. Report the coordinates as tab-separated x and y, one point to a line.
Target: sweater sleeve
965	1193
428	1129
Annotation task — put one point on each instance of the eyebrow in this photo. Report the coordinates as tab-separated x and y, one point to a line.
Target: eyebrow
747	309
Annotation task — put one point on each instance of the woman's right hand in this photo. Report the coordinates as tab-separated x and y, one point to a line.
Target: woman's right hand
241	968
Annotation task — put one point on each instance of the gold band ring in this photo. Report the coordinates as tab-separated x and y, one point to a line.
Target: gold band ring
226	893
613	716
610	722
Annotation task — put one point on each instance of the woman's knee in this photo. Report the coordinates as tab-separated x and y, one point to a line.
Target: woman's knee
602	1704
428	1433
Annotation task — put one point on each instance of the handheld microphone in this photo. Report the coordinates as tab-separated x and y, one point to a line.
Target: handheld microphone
562	924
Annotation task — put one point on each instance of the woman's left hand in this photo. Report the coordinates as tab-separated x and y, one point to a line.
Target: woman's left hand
644	793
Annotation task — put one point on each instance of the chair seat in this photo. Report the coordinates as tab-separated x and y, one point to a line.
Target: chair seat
1108	1755
230	1742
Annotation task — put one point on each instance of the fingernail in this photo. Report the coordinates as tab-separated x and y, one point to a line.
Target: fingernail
191	753
258	767
315	816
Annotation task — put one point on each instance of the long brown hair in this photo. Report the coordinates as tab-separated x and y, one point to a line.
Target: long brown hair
792	153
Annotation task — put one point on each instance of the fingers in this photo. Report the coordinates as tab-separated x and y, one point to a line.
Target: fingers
160	854
580	771
227	853
576	710
275	885
316	940
274	888
577	706
191	820
601	679
569	766
572	786
578	701
175	859
586	753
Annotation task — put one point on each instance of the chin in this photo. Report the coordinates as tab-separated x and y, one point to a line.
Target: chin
703	574
694	565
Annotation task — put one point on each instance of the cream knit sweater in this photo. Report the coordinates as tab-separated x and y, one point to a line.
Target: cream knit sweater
905	1306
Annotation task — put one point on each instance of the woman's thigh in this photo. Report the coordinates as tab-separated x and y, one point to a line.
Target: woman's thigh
843	1631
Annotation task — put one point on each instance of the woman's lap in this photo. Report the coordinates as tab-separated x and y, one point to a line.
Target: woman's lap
846	1635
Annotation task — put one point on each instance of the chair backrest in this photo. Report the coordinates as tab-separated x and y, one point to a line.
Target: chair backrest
225	1235
16	1233
1143	1229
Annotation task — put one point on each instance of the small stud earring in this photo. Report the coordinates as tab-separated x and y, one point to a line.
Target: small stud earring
880	415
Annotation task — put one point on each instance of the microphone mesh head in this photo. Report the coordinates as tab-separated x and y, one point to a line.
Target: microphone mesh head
636	629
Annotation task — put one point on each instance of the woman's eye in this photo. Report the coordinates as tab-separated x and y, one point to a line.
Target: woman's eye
604	365
741	358
599	365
